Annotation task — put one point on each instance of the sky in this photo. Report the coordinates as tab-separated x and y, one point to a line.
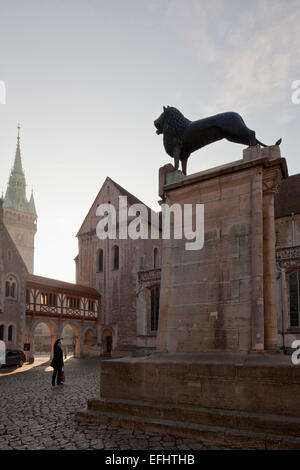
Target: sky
87	78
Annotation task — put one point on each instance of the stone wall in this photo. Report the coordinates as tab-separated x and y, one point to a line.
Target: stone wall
12	309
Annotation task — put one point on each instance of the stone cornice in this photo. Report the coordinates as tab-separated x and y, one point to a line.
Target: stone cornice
229	168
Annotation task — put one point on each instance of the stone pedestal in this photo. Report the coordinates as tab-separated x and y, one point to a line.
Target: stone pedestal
223	297
217	307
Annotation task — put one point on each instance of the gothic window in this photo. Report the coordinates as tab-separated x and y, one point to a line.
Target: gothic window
100	261
116	257
294	284
2	332
10	333
154	308
7	289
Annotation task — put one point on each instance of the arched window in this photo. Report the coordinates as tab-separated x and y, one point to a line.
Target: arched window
294	286
116	257
11	287
10	333
2	332
155	258
100	261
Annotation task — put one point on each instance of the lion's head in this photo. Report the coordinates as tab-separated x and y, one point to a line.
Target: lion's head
171	121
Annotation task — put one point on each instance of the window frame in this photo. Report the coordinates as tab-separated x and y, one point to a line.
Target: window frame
116	258
294	317
154	308
2	332
100	261
10	333
11	287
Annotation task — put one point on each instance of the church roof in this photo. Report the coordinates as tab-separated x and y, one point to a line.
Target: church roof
287	201
55	284
131	199
15	196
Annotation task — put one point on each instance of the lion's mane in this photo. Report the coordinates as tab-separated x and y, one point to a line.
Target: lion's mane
175	123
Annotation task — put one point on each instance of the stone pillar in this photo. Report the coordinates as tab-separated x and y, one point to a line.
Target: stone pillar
32	349
81	343
271	183
257	268
30	338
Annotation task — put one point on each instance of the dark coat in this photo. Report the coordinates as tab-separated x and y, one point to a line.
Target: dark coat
57	360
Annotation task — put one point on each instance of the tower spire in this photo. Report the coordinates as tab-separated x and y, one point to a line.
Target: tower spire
16	202
15	196
18	162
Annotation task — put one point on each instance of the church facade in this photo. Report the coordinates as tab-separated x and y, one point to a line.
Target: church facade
126	273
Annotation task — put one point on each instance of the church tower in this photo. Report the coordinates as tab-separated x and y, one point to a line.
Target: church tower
20	214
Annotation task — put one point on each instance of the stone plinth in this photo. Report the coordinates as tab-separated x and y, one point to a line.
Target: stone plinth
216	298
235	400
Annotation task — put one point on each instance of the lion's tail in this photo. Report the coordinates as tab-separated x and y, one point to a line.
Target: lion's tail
264	145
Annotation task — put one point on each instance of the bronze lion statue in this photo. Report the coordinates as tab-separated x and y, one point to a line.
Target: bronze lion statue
182	136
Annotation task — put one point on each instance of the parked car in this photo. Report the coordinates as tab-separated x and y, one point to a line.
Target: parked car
14	358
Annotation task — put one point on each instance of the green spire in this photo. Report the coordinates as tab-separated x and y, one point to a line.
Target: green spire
18	163
31	205
15	196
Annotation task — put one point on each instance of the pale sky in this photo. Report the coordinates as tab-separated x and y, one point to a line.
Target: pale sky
87	78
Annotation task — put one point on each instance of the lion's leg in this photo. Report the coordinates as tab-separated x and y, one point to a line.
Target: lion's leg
184	164
176	156
252	138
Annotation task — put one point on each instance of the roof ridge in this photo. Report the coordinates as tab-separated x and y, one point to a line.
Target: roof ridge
127	193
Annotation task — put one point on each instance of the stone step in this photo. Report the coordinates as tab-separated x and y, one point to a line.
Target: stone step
245	421
222	436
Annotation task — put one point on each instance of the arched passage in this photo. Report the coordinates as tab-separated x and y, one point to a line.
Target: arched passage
43	339
71	339
107	341
90	343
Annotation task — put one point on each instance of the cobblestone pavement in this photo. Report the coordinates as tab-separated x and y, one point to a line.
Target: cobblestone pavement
33	415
